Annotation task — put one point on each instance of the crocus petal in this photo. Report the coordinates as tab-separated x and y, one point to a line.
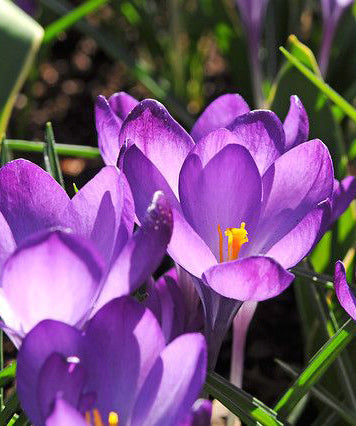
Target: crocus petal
253	278
220	113
103	211
64	414
128	357
108	127
296	124
226	192
38	271
187	248
261	132
122	104
291	190
29	6
169	392
343	291
59	377
145	179
295	245
30	199
200	414
43	340
142	254
153	130
344	192
7	242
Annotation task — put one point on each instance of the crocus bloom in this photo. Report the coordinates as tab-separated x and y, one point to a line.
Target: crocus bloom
343	291
62	276
332	11
118	369
252	15
236	243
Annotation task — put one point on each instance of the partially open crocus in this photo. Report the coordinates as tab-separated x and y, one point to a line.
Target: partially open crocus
244	210
59	275
119	371
332	11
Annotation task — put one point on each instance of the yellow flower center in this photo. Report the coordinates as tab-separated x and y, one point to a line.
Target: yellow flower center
236	237
113	419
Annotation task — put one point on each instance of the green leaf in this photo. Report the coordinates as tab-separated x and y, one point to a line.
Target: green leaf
316	367
51	157
61	149
249	409
321	85
8	374
20	38
71	18
11	406
323	395
304	54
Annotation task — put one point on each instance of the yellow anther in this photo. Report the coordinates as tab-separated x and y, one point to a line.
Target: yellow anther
87	417
113	419
236	237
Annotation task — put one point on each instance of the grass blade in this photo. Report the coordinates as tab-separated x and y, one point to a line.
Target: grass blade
321	85
61	149
51	157
316	367
8	374
71	18
249	409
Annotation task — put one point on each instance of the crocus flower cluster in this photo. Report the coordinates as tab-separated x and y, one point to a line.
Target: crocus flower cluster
244	210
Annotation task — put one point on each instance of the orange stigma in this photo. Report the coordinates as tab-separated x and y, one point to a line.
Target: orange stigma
236	237
113	419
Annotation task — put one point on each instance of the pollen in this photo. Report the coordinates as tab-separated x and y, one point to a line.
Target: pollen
236	238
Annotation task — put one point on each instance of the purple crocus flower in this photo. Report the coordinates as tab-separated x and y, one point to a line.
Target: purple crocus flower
343	291
332	11
119	369
252	15
215	187
62	276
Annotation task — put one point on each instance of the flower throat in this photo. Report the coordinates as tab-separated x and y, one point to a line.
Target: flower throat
236	237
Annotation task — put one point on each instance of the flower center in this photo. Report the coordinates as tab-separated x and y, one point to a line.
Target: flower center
113	419
236	237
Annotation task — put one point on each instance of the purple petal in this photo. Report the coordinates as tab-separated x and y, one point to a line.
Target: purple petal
29	6
200	414
261	132
122	342
169	392
38	271
7	242
344	192
108	127
152	129
64	414
30	199
220	113
292	189
103	211
43	340
226	192
122	104
254	278
296	124
187	248
145	179
58	377
295	245
343	291
142	254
